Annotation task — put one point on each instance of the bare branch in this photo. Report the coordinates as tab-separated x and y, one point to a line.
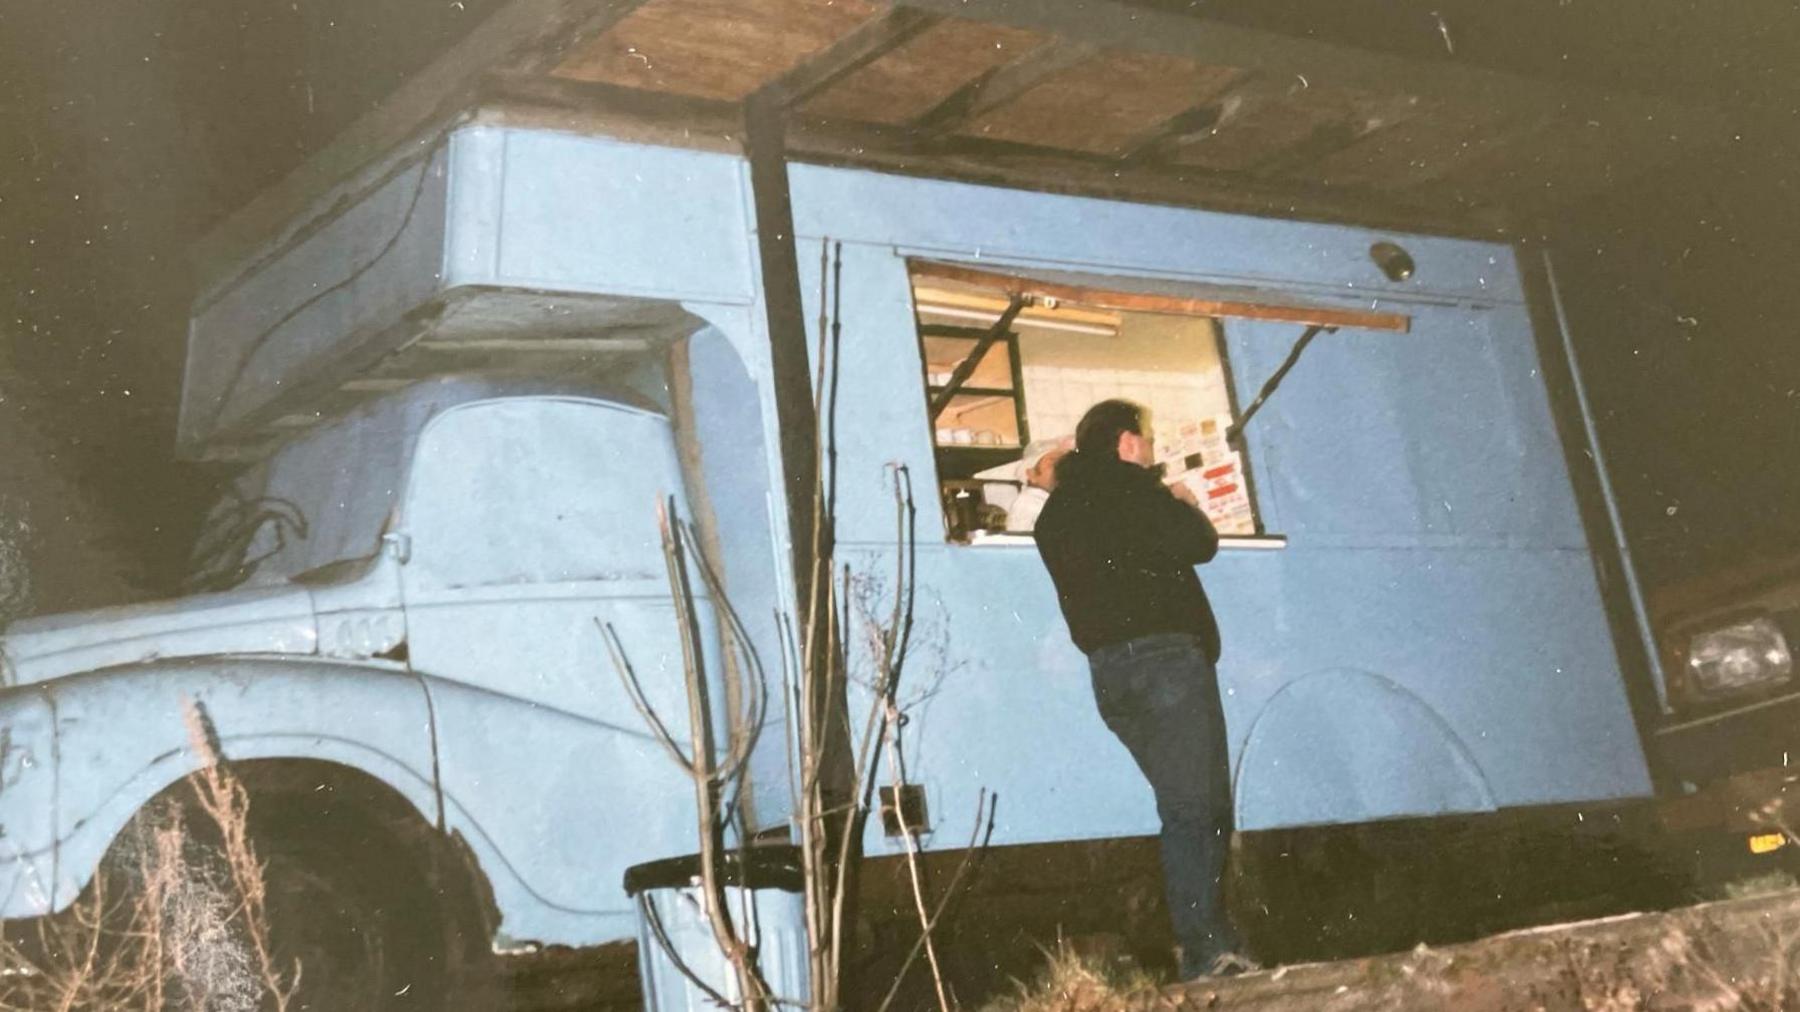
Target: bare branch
979	840
635	690
912	865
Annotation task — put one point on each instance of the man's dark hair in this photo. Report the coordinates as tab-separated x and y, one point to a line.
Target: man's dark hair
1098	433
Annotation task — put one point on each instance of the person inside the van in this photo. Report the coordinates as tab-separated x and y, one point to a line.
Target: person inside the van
1037	468
1121	548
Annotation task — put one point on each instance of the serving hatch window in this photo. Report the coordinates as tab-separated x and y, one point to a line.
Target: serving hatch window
1010	366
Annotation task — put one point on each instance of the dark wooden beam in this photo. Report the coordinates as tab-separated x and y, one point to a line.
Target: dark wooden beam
765	144
1190	126
871	41
999	86
615	110
437	94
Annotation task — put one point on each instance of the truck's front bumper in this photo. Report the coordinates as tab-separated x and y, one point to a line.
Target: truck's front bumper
1705	750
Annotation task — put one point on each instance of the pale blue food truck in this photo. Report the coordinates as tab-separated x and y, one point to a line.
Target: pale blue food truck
455	389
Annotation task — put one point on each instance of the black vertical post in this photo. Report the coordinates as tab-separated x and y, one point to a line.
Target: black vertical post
765	143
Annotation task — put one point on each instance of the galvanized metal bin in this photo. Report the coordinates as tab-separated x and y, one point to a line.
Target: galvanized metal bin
677	952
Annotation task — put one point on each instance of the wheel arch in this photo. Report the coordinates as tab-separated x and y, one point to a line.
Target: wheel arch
121	738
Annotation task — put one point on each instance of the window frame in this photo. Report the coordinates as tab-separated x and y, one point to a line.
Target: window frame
1259	538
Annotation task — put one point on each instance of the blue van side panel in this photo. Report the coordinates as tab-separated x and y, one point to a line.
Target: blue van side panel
1430	640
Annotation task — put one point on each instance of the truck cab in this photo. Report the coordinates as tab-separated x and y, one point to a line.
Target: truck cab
423	586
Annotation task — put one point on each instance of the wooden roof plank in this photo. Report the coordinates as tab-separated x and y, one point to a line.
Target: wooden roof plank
1250	132
1263	125
1116	24
918	75
1104	104
652	117
1365	119
724	49
1183	128
870	41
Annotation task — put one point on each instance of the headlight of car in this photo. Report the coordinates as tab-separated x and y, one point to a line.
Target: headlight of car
1746	655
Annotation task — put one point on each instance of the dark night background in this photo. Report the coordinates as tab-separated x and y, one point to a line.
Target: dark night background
127	129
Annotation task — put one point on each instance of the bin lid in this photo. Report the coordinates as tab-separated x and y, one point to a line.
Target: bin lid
777	867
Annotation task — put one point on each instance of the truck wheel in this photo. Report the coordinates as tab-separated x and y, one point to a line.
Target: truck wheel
363	928
350	899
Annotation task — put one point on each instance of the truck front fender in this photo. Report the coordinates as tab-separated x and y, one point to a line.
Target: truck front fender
118	737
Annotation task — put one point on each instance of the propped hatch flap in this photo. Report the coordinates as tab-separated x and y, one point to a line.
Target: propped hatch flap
1157	295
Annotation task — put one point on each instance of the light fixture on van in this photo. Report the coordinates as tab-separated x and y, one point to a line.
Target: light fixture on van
1393	260
1046	314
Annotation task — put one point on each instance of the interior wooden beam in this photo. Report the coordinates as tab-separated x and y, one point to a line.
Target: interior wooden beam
517	31
994	89
869	42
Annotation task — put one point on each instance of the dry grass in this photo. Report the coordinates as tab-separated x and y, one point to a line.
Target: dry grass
175	925
1694	966
1076	982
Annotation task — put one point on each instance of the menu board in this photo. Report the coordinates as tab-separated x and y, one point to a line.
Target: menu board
1197	455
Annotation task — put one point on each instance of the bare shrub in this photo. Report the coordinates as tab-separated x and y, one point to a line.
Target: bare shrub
836	766
173	923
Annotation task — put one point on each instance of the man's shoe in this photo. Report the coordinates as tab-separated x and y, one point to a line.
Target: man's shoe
1231	964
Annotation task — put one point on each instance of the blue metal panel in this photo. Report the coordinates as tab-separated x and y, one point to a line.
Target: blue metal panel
730	463
986	222
556	804
1448	438
554	217
562	212
300	307
532	522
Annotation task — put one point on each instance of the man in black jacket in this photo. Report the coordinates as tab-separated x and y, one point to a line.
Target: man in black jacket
1121	548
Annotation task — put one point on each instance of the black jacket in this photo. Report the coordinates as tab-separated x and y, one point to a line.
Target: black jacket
1121	550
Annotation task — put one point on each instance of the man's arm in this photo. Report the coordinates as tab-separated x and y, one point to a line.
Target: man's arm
1164	525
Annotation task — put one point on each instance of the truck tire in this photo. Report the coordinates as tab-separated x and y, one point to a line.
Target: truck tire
372	923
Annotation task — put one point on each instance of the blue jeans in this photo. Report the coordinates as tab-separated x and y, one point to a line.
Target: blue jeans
1160	695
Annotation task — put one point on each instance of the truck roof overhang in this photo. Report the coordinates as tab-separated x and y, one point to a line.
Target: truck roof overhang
1099	97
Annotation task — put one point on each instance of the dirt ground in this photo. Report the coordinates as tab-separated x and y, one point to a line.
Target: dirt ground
1741	954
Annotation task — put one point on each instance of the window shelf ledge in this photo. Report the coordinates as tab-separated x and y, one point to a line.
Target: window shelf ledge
1234	542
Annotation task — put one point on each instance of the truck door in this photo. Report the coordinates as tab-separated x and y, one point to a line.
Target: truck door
528	523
